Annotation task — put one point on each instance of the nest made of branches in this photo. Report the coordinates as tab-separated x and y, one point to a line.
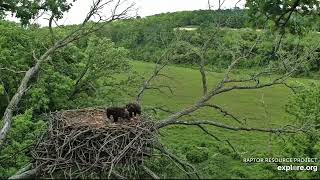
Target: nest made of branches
84	143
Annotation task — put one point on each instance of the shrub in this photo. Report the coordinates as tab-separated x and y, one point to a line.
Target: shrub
197	155
22	136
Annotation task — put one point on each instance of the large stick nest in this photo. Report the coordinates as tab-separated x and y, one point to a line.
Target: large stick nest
84	143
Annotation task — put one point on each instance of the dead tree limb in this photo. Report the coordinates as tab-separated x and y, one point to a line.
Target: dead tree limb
156	72
227	127
224	112
225	86
185	165
222	88
78	33
203	75
151	173
25	173
12	70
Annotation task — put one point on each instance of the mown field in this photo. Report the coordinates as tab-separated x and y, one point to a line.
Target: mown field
259	108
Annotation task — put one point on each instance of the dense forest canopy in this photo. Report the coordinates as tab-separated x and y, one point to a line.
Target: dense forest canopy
108	66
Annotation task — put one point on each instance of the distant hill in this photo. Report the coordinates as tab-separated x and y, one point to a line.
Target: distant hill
233	18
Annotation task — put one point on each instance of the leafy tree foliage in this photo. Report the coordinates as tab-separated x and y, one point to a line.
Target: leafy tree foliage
286	14
148	38
96	72
76	73
305	106
23	135
26	10
1	90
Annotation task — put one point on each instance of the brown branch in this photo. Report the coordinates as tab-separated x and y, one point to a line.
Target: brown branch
183	164
151	173
156	72
224	112
53	38
160	87
216	138
290	11
76	87
221	3
207	132
203	75
224	126
13	71
161	108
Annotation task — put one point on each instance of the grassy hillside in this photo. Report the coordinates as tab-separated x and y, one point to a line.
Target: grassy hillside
260	108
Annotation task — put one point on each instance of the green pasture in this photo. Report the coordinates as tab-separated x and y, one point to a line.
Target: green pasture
259	108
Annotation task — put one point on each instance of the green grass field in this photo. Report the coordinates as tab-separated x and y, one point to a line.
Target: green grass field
260	108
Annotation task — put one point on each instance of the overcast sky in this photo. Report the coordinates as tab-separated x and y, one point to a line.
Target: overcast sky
145	8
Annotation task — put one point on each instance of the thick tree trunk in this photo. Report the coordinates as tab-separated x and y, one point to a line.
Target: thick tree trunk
7	117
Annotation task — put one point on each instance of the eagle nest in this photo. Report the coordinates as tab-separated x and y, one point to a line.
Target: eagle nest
84	143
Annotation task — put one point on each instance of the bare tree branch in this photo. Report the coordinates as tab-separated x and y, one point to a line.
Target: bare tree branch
156	72
53	37
159	108
183	164
207	132
12	70
224	126
78	33
224	112
151	173
25	173
221	4
203	75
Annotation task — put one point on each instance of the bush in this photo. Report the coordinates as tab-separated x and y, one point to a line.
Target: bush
22	136
197	155
305	105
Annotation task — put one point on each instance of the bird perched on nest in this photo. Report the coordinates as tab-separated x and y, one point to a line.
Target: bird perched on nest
134	109
117	112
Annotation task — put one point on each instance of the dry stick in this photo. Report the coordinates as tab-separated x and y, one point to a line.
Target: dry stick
25	173
151	173
203	75
8	114
156	72
207	132
224	126
183	164
13	71
224	112
122	152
